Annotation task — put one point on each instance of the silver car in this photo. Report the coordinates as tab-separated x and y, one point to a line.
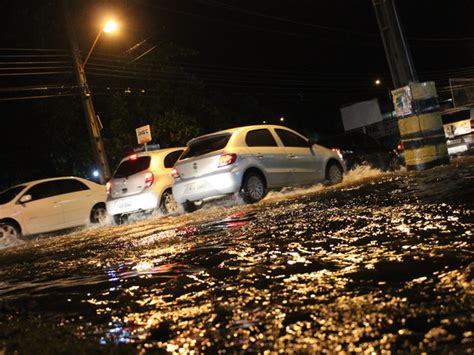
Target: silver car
250	160
142	184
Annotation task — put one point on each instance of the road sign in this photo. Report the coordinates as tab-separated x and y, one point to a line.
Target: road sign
143	134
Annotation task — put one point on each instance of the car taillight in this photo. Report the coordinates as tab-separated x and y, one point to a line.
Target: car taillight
149	177
175	173
227	159
108	187
400	147
133	157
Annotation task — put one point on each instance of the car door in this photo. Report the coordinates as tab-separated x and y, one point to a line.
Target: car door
263	147
302	159
75	200
42	213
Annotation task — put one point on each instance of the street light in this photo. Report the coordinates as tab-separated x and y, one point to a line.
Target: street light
93	125
282	119
110	26
378	82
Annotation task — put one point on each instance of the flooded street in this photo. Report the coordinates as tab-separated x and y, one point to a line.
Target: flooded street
382	262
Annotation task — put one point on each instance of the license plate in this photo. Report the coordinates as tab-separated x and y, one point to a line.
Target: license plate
195	186
123	205
458	149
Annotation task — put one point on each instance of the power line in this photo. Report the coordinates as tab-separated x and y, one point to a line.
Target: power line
38	87
32	55
282	19
35	62
36	68
33	49
37	73
252	27
34	97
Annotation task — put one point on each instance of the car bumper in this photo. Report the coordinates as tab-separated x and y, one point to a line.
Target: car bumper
207	187
130	204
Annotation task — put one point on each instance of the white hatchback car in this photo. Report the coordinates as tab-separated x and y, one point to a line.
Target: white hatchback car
142	183
250	160
50	204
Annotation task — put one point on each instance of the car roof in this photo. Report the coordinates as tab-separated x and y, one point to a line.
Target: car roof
155	152
234	130
50	179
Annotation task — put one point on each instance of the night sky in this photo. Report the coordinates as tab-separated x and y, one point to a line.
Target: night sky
302	60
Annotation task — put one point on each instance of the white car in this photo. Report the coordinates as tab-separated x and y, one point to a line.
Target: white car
142	183
50	204
250	160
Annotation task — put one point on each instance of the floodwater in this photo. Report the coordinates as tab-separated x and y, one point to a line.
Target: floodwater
381	263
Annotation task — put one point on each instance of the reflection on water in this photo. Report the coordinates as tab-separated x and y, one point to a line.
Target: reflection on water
380	263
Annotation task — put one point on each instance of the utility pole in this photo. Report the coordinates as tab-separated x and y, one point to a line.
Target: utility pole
416	104
91	118
396	47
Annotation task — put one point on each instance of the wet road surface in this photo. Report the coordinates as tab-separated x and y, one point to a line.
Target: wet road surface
382	263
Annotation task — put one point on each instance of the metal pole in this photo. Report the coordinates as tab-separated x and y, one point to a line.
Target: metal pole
89	112
90	50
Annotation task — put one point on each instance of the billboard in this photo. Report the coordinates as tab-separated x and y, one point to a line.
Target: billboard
360	114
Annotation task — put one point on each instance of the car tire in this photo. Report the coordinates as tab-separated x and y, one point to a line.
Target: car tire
254	188
98	214
189	206
334	173
9	231
167	203
394	164
120	219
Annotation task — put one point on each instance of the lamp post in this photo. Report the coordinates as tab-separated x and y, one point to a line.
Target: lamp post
93	123
110	26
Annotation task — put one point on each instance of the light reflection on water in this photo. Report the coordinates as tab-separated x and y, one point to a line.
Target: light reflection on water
382	263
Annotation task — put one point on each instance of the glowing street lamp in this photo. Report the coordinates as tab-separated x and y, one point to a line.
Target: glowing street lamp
93	124
110	26
378	82
282	119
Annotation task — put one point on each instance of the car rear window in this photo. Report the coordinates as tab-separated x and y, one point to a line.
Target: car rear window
206	145
132	166
8	195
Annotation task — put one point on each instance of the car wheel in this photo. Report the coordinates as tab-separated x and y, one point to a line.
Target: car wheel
189	206
253	188
394	164
120	218
8	232
98	214
168	204
334	173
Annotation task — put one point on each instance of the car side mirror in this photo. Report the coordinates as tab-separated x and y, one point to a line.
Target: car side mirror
311	142
25	198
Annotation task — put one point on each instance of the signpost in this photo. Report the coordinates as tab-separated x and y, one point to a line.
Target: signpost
143	135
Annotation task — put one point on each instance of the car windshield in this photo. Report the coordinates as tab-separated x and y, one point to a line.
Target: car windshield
206	145
8	195
132	166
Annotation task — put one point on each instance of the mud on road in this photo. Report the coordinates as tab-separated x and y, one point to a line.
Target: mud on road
382	262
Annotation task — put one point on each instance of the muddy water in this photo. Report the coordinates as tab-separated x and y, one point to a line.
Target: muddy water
383	262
